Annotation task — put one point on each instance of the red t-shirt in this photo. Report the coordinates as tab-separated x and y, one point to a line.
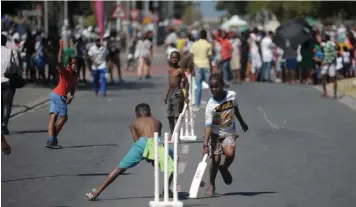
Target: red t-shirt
66	82
226	48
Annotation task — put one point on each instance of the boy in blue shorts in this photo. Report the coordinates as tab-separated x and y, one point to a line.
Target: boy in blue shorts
68	79
142	129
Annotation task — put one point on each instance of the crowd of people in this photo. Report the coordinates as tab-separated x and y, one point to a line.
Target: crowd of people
253	56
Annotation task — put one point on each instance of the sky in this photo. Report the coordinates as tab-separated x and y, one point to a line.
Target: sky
208	9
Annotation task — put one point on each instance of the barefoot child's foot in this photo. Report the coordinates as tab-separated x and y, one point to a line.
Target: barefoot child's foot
211	190
92	196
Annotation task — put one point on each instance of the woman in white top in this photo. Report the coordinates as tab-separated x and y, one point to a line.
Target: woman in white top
256	61
235	63
7	89
143	53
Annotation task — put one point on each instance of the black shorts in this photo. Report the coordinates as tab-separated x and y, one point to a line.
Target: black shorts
175	102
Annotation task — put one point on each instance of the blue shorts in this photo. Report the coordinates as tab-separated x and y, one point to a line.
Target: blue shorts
135	154
58	104
291	63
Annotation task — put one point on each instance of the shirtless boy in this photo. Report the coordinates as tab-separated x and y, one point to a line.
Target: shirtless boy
220	136
142	129
174	95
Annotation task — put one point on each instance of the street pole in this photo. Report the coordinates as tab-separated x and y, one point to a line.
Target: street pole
133	7
118	24
146	11
65	24
155	23
46	18
126	29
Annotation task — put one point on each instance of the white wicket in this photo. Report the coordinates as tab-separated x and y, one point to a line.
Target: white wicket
187	129
165	203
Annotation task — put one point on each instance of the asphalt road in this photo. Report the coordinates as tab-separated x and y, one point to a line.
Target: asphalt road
299	151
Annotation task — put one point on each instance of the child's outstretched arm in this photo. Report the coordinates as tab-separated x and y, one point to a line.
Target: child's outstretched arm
239	117
60	52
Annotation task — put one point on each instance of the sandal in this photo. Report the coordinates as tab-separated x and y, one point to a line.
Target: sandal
91	197
211	190
227	177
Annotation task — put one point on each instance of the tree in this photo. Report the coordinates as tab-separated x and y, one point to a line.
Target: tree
232	7
344	9
190	14
285	9
291	9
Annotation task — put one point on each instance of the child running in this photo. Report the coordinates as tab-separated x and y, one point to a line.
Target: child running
68	78
174	97
220	136
142	130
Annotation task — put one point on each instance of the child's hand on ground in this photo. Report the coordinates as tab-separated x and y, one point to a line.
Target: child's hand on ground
5	147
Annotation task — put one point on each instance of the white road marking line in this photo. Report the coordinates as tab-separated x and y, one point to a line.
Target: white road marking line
283	127
266	118
185	149
181	167
303	130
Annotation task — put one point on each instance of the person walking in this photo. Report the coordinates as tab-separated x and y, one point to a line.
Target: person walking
98	54
201	51
8	56
267	57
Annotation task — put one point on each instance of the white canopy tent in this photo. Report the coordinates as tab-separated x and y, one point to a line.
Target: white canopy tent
234	21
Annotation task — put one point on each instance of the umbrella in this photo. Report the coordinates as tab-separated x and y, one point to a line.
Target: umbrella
292	34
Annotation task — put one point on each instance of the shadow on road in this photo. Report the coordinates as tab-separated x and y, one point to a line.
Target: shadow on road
185	195
60	175
23	106
29	131
248	193
126	85
91	145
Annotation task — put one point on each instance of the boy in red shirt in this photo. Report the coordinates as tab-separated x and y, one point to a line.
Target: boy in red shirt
68	78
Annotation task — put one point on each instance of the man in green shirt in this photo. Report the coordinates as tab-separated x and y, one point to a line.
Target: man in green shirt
328	65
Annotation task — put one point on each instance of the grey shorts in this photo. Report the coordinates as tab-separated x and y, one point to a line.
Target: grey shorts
175	102
217	143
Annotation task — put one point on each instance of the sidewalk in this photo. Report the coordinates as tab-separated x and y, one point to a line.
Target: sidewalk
28	98
346	91
345	87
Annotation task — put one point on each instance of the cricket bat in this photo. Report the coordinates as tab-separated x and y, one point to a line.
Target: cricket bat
193	191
